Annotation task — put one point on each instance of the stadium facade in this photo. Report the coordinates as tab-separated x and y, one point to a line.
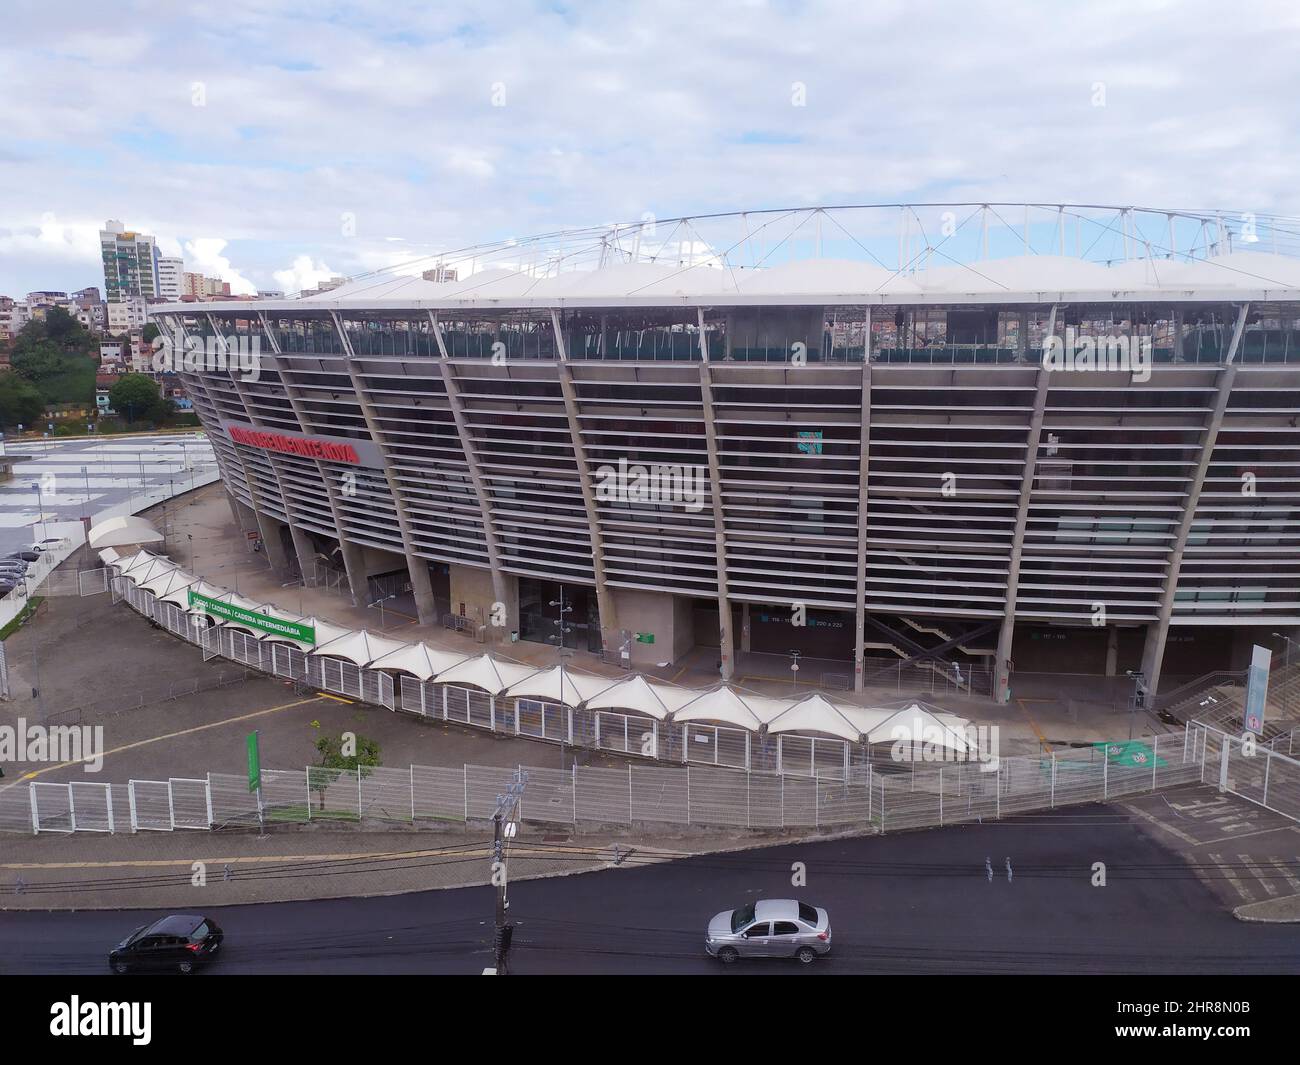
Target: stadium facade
989	448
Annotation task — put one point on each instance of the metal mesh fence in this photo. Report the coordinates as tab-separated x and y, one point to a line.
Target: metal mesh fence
882	796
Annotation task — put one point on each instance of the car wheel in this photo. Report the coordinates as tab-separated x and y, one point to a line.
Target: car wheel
727	955
186	967
120	967
806	955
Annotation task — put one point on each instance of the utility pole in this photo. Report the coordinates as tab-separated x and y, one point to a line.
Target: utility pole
504	826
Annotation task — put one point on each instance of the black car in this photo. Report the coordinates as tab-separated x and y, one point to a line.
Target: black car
25	556
180	942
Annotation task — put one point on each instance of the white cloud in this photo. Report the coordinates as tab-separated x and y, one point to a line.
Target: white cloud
203	256
608	115
303	274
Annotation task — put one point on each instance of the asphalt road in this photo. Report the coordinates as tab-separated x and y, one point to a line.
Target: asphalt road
911	903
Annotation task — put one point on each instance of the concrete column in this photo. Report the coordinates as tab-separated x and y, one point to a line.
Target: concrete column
234	508
416	567
1112	649
1153	652
746	637
1006	635
306	552
501	587
354	564
604	601
725	638
269	529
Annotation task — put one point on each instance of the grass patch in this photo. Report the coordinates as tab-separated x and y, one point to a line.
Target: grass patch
24	615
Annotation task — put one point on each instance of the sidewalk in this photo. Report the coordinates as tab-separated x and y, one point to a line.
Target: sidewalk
312	862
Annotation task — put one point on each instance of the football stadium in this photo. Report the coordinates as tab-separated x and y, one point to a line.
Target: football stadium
979	438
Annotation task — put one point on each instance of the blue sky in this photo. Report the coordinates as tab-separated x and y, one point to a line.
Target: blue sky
243	135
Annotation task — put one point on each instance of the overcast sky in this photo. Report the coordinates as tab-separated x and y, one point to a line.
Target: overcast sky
253	136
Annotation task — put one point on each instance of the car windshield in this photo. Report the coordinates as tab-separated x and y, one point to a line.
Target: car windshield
742	917
200	933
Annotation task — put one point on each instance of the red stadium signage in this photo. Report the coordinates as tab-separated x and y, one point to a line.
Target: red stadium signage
307	446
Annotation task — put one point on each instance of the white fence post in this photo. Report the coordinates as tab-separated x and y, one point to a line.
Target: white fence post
1155	758
1105	771
941	796
1268	762
1053	798
130	794
412	793
629	777
573	777
36	820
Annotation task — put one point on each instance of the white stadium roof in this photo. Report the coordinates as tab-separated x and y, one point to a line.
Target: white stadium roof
816	282
889	254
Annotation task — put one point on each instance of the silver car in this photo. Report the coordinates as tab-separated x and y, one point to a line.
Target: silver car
770	928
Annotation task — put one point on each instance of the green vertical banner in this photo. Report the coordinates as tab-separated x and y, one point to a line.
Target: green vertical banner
254	763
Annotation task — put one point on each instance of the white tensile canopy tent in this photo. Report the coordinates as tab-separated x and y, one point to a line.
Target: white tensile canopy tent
123	531
637	693
360	647
918	724
724	705
487	673
419	659
151	570
558	685
912	722
167	585
130	563
815	713
180	595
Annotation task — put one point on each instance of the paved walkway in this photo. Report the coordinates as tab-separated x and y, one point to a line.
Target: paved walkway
207	541
311	862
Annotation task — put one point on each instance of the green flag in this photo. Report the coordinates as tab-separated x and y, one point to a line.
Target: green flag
254	763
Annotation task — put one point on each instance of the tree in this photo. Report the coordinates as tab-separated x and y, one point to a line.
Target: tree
135	396
54	353
349	753
20	402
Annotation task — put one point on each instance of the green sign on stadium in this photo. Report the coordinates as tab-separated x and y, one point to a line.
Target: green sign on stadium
294	630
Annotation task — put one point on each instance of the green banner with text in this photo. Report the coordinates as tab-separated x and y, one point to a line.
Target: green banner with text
254	763
294	630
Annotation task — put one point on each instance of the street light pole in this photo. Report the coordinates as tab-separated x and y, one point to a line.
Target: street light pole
504	826
40	507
